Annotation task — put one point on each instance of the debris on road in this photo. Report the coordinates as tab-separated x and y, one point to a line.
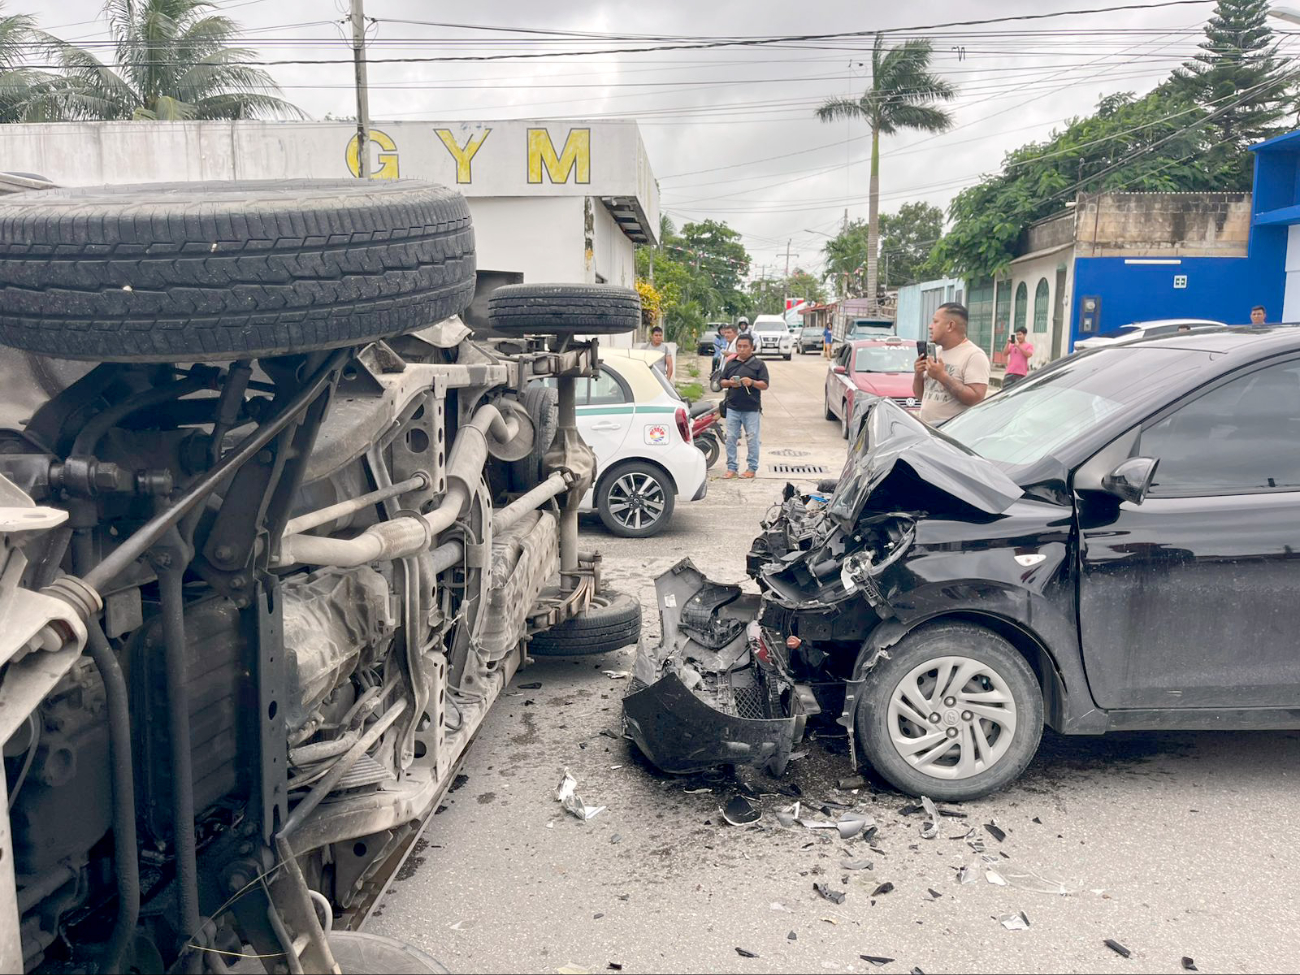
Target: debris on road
967	875
567	796
1118	948
851	783
995	831
1015	922
930	827
875	961
884	888
778	906
745	954
792	936
571	970
1025	879
618	674
851	824
934	894
741	812
856	864
995	878
697	792
1189	965
534	686
834	896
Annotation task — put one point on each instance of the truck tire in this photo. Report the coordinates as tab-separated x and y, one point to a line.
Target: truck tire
218	270
564	309
612	622
543	406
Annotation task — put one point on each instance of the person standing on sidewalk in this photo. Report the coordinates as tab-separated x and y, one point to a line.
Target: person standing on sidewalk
958	376
828	342
744	378
657	344
1018	352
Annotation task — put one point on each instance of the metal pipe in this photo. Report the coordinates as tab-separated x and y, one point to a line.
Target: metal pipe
123	778
182	757
557	483
568	421
445	556
326	785
315	519
149	533
307	754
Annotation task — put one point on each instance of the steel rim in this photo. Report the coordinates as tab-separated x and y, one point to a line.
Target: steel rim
952	718
636	500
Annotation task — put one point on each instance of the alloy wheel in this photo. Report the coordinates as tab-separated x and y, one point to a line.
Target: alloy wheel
952	717
636	500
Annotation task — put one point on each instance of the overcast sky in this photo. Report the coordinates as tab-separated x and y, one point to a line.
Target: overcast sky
713	120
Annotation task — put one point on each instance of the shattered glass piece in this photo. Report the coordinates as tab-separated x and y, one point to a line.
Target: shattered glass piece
778	906
1025	879
1015	922
995	878
875	961
884	888
856	864
618	674
745	954
834	896
976	845
1189	965
785	817
995	831
741	812
567	796
934	894
1118	948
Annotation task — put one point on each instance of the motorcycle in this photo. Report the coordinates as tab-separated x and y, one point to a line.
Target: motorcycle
705	432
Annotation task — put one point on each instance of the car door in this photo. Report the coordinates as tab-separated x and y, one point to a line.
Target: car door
1189	599
838	383
605	412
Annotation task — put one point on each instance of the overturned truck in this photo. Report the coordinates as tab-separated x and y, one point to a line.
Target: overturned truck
276	532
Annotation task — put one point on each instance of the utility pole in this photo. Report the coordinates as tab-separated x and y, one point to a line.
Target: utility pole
363	100
786	303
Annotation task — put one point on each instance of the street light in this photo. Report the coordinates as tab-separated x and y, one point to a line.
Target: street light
1290	14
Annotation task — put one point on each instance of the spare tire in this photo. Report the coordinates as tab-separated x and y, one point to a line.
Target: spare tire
613	621
219	270
543	406
563	309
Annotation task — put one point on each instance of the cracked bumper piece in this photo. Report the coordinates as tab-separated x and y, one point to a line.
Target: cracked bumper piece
679	732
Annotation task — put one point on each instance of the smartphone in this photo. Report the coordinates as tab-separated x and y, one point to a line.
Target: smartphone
921	346
931	351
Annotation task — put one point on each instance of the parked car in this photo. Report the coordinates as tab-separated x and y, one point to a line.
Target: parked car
772	336
640	429
705	345
1108	545
809	339
1138	331
316	525
870	369
868	328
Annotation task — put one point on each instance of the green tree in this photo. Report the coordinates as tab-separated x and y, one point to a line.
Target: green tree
846	257
907	239
805	286
698	274
175	60
1238	57
901	96
25	94
1153	143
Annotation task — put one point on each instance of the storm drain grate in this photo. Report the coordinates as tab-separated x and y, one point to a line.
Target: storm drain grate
798	469
788	452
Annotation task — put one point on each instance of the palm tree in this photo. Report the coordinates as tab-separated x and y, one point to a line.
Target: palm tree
900	97
23	90
173	60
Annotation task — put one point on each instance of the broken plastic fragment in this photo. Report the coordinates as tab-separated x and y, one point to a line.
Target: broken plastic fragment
567	796
1189	965
875	961
1015	922
884	888
856	864
792	936
618	674
995	831
745	954
741	812
834	896
995	878
967	875
930	827
976	845
785	817
934	894
851	824
534	686
1118	948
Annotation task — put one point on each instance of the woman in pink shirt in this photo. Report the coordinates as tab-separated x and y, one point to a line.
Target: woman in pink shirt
1018	352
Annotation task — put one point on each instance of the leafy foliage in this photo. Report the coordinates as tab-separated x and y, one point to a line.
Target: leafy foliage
806	286
907	238
174	61
24	92
699	275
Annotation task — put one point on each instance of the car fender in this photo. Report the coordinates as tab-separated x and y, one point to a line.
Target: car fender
638	459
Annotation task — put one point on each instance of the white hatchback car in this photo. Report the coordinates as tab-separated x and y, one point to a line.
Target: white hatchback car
641	433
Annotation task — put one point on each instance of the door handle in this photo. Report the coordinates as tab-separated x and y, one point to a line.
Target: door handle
607	426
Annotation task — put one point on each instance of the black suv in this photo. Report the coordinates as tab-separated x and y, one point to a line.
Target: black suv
1112	544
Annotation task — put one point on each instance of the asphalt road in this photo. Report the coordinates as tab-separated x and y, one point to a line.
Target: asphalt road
1173	845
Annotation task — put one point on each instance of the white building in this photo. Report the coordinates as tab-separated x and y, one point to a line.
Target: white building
562	202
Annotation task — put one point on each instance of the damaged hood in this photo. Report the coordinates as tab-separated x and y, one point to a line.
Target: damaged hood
893	441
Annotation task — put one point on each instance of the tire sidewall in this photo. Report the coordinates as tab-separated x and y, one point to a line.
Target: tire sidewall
938	640
627	467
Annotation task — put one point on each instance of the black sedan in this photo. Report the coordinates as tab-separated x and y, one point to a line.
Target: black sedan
1109	545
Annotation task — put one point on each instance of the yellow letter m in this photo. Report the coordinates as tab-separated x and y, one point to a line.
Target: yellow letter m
576	156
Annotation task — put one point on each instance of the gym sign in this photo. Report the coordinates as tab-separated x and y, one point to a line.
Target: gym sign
468	152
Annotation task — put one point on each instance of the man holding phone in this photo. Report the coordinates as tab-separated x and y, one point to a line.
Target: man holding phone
954	373
1018	351
744	378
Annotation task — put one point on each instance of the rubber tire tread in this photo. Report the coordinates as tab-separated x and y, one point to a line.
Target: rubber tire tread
600	630
543	405
937	640
217	270
544	309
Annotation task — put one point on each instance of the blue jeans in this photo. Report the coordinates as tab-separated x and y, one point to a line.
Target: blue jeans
748	421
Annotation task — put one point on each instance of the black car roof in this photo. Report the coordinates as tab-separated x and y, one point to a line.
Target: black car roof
1239	341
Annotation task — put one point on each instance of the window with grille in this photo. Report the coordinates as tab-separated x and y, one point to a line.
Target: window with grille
1022	304
1040	306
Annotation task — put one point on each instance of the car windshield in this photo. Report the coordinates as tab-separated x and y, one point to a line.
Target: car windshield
1034	419
811	332
1120	333
884	358
770	327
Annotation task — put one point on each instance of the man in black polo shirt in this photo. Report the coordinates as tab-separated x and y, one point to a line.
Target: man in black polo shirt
744	378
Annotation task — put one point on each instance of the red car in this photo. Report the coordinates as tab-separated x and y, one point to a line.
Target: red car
874	367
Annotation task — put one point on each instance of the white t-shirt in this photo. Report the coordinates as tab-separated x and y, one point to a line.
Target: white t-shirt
966	363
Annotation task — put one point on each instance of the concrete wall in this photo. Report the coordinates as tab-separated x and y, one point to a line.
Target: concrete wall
1164	224
1030	271
541	237
1047	234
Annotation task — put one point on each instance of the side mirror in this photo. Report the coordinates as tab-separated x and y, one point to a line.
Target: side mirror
838	369
1131	480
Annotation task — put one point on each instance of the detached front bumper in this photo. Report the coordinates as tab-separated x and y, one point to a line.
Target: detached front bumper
716	691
